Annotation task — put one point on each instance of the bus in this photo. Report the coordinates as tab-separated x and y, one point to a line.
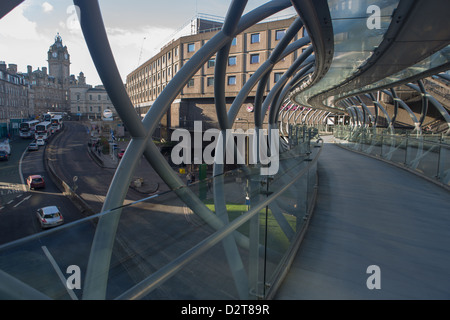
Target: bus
56	123
47	117
43	130
27	128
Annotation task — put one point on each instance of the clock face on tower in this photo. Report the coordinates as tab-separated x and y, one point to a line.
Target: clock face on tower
55	54
65	56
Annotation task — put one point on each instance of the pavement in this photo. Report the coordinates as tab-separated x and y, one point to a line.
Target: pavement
145	180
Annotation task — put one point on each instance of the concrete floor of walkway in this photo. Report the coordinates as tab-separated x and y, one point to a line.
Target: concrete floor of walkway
371	213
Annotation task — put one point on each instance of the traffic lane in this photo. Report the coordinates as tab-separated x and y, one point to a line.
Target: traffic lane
73	160
10	183
19	215
33	163
18	219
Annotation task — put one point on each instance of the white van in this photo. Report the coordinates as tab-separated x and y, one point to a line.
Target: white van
5	146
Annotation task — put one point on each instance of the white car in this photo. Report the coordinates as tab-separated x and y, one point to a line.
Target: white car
40	142
49	217
33	146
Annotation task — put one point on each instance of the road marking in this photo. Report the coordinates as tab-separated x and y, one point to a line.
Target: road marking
24	199
59	272
10	201
20	170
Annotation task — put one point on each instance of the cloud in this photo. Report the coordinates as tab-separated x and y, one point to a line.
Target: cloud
27	30
132	47
47	7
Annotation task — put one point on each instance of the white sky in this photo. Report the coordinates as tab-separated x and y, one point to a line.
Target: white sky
133	26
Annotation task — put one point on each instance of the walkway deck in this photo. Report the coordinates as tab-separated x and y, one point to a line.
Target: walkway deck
368	213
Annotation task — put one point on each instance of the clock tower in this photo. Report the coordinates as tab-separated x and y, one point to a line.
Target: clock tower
59	62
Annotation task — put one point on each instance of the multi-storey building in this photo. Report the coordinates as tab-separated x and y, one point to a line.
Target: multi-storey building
48	89
14	98
51	86
196	101
87	101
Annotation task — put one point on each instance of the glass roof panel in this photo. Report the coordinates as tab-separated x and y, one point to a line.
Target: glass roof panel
438	59
354	40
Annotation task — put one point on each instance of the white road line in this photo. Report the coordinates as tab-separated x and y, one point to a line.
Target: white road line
24	199
59	272
10	201
20	170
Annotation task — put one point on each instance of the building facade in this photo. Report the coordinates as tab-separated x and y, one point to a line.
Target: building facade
196	101
52	89
15	99
50	85
87	102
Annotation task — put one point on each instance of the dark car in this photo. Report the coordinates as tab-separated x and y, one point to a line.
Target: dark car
35	181
3	155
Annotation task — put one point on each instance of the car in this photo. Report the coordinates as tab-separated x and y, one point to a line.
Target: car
40	142
49	216
35	181
33	146
120	154
3	155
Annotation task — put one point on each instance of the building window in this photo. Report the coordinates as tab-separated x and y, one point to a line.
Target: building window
232	61
99	109
254	38
231	80
279	34
190	83
210	82
191	47
233	42
176	52
99	97
211	63
90	97
277	76
78	96
254	58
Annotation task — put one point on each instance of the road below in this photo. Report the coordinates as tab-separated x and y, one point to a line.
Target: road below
18	213
149	235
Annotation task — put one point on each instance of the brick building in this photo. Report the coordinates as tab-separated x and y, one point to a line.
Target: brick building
196	101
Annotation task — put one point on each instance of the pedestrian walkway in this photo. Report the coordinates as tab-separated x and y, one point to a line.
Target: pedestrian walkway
370	213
